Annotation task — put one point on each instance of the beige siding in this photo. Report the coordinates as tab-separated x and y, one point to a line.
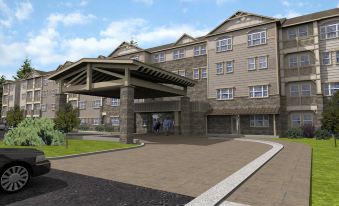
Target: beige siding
241	78
89	112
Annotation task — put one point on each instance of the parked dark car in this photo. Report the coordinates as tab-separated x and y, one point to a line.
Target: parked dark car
17	166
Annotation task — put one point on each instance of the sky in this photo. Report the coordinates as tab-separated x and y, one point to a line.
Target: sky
54	31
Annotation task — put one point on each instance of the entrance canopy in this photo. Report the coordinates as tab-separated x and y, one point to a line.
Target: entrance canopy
105	77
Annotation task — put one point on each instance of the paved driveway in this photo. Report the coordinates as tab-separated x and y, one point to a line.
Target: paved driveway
187	166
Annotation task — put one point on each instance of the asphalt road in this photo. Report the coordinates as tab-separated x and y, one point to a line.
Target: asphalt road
65	188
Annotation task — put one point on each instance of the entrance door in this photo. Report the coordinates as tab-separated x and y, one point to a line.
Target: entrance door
234	123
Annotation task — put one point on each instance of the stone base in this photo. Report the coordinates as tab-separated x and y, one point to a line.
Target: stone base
124	139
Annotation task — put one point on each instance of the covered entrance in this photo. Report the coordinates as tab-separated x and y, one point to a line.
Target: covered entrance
127	80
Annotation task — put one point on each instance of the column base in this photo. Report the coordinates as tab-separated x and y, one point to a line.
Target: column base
126	139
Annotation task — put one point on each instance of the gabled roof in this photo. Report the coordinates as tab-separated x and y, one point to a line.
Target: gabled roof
172	45
125	44
311	17
183	37
240	14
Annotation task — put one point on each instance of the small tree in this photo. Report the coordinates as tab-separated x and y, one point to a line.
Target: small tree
330	120
24	70
67	119
14	116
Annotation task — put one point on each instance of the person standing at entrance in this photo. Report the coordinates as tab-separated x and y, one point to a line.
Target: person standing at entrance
167	125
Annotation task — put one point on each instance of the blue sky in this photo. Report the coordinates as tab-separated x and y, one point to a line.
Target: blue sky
51	32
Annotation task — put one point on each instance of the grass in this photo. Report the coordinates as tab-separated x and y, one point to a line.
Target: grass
75	147
325	171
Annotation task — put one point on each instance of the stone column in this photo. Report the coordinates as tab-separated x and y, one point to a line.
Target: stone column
126	114
176	123
185	120
60	101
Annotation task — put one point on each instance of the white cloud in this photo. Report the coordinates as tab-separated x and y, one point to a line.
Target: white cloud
83	2
288	14
69	19
285	3
337	5
147	2
221	2
23	10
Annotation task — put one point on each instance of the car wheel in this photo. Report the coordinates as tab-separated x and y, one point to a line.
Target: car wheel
14	178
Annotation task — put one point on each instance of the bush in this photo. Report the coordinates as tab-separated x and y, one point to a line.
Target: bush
294	133
34	132
84	127
108	128
14	116
322	134
67	119
308	131
100	128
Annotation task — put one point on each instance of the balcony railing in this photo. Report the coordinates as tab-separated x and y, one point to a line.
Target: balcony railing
299	71
298	43
301	100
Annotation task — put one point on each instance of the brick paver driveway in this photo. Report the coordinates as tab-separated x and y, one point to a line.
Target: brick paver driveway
183	165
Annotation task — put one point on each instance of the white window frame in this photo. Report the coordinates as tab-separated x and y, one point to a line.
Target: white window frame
224	44
219	69
324	33
116	121
178	54
331	88
182	73
258	89
260	120
251	65
204	73
196	73
52	107
229	67
337	57
134	57
225	94
294	90
296	120
263	62
304	60
97	104
305	89
160	57
291	34
294	63
45	81
96	121
199	50
305	33
307	121
115	102
82	105
326	56
260	37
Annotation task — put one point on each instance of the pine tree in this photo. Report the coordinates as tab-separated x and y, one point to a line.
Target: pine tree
24	70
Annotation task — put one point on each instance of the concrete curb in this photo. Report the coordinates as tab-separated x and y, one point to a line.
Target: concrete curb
93	153
218	193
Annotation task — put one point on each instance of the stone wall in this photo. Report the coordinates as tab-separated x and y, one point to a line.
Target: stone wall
217	124
245	127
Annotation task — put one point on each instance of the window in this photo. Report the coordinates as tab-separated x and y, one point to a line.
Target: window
298	119
96	121
82	105
295	120
45	81
74	103
291	33
115	102
306	89
178	54
337	57
115	121
199	50
224	44
326	58
203	73
159	57
196	74
258	91
220	68
97	103
256	38
304	60
251	63
182	73
225	94
259	121
229	66
134	57
82	121
308	119
294	90
53	107
303	31
263	62
292	61
331	88
329	31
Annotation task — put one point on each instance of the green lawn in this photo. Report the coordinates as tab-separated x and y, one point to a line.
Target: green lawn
76	147
325	171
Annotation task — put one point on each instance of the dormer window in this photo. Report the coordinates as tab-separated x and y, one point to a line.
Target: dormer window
329	31
159	57
134	57
224	44
256	38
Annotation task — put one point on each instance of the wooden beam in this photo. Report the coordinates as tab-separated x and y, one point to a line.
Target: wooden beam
89	77
73	73
76	77
158	87
82	79
110	73
102	85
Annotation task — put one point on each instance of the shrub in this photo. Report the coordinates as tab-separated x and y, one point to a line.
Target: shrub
322	134
34	132
84	127
108	128
100	128
294	133
14	116
308	131
67	119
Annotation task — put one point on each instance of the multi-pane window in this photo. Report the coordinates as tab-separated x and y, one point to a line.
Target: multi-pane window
82	105
308	119
329	31
299	119
115	102
306	89
291	33
203	72
225	94
178	54
296	120
294	90
262	62
115	121
293	61
256	38
258	91
159	57
337	57
259	121
251	63
182	73
297	90
199	50
301	31
96	121
97	103
196	73
52	107
220	68
331	88
224	44
229	66
45	81
326	58
304	60
82	121
74	103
